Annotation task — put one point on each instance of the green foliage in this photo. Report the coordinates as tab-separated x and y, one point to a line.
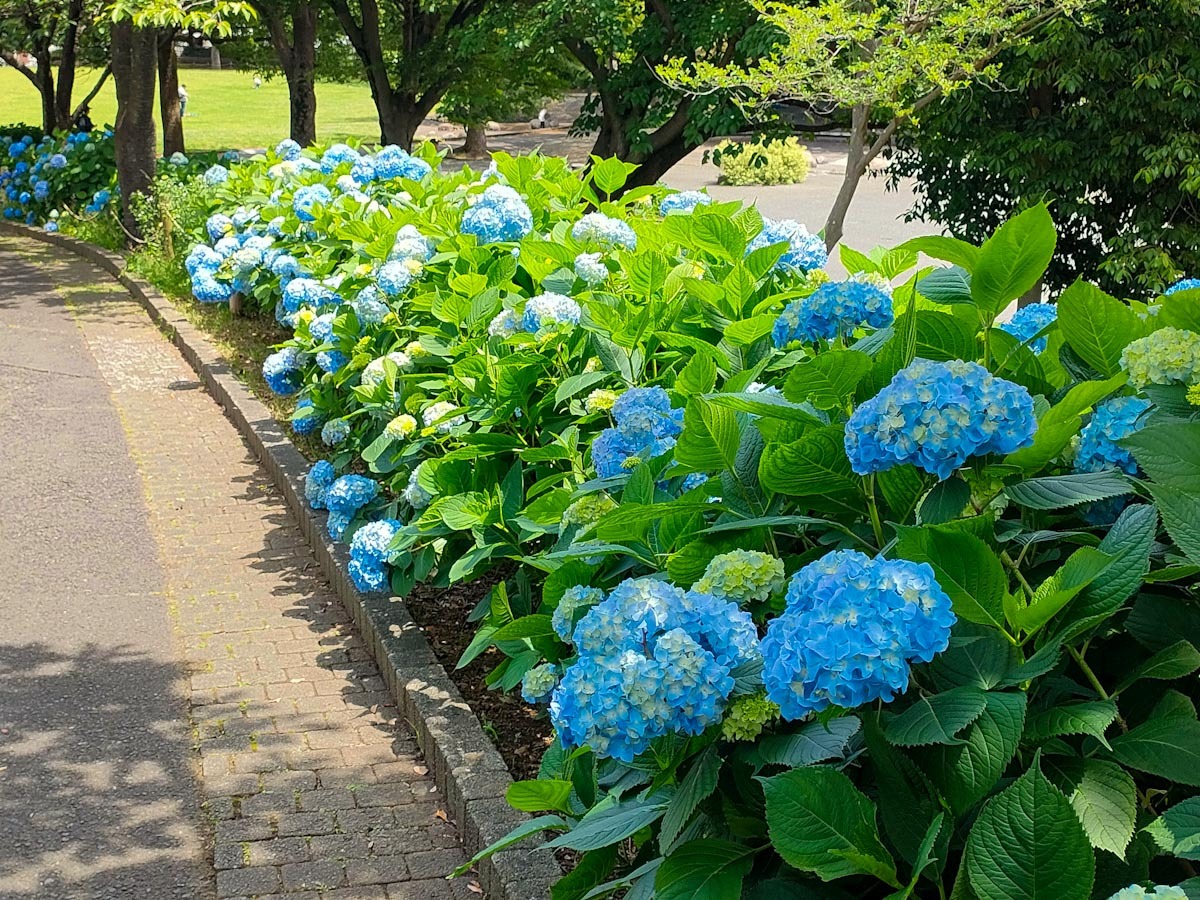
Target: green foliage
1101	104
762	162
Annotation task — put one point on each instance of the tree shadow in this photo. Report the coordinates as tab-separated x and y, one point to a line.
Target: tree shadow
97	792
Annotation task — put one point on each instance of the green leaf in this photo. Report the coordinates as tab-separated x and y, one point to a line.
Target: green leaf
518	834
1096	326
1170	454
1027	844
907	801
610	174
1081	568
946	501
965	568
1180	659
817	818
949	249
719	236
698	376
1061	423
827	380
537	625
1181	516
711	869
814	743
746	331
1168	747
1062	491
981	658
539	795
577	384
815	465
966	773
947	285
699	783
605	825
1177	830
1091	717
647	272
1012	260
1105	800
590	870
937	718
710	438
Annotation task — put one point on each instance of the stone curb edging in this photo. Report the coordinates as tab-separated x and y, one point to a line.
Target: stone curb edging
465	765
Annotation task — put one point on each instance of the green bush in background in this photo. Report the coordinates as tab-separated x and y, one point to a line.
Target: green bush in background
762	162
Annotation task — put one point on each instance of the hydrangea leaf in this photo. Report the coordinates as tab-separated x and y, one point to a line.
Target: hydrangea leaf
1062	491
977	656
719	236
944	502
1061	423
1091	717
1012	260
1028	844
1177	830
828	379
540	794
518	834
820	822
908	802
697	784
1081	569
966	569
951	250
647	272
709	868
966	773
606	825
815	465
937	718
1170	454
901	486
697	377
1181	309
1096	326
1181	515
1105	800
814	743
577	384
949	285
710	438
1158	621
1168	747
1172	662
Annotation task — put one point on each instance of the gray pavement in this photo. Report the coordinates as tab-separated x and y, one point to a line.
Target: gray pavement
97	797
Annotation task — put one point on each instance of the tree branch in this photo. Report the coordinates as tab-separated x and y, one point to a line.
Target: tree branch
10	59
91	95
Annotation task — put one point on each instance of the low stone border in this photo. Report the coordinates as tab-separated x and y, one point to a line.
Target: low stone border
466	766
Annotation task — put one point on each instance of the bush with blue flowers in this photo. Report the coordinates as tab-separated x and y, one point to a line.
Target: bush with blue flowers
807	574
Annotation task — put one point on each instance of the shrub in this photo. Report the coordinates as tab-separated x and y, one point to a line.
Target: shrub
51	176
819	594
783	161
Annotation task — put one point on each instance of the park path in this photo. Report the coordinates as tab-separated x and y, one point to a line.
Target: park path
185	708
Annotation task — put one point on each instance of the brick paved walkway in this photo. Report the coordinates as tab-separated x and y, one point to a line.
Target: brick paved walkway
313	785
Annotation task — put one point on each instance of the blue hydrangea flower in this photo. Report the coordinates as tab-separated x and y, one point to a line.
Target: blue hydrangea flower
1167	356
41	190
202	258
363	171
805	251
394	162
330	361
337	523
215	175
684	202
350	493
334	432
287	266
852	627
572	606
217	226
538	683
504	324
51	226
1183	284
307	198
937	415
303	293
281	370
1111	421
647	426
549	311
206	288
834	309
1029	320
597	228
306	419
338	155
288	150
500	214
590	268
415	495
369	553
58	161
394	277
411	244
653	660
369	306
320	329
317	482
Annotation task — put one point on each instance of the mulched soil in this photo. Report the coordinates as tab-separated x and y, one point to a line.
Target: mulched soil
519	732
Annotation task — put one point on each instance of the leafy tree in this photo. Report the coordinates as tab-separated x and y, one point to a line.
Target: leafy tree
637	117
1098	116
888	62
34	27
291	29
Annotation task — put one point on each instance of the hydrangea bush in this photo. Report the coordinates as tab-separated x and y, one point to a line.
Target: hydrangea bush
829	588
52	175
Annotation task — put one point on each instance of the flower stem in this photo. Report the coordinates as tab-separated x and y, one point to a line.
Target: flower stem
876	523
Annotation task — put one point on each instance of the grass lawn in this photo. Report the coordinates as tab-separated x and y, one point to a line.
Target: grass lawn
224	109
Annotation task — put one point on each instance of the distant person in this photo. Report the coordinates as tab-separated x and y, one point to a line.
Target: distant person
257	82
541	119
183	99
83	121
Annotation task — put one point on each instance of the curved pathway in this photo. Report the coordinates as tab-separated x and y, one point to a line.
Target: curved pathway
185	709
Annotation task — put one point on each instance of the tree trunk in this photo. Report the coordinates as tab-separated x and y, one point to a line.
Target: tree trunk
168	94
135	59
657	163
475	144
63	113
301	75
46	77
856	166
398	121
